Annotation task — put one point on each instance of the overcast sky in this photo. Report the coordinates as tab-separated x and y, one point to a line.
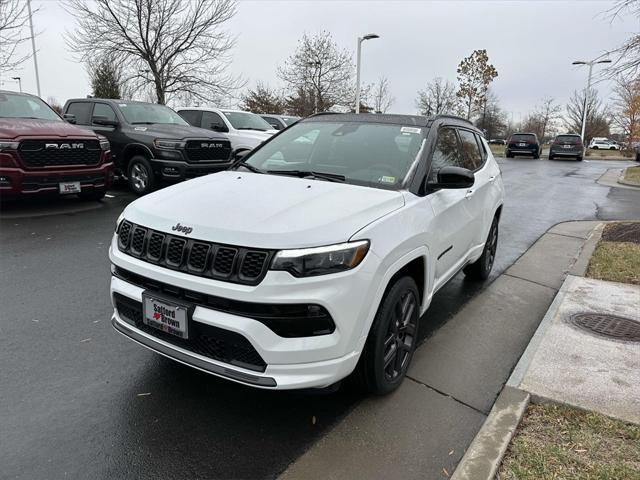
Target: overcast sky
531	43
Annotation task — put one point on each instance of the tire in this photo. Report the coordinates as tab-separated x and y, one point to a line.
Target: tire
93	195
595	148
550	157
509	155
140	175
579	159
481	268
536	155
393	336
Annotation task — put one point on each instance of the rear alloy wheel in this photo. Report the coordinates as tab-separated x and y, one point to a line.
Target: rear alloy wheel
140	174
481	268
392	339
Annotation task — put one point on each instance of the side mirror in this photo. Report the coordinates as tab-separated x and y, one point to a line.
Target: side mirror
100	120
69	118
454	177
219	127
240	154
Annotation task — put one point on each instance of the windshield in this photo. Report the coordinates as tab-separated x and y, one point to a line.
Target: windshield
247	121
290	120
568	139
371	154
148	113
523	137
23	106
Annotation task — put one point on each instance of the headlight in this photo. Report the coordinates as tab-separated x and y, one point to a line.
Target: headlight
9	145
119	221
104	144
309	262
169	144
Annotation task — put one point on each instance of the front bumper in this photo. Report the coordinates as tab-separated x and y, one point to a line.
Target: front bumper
291	363
16	181
179	170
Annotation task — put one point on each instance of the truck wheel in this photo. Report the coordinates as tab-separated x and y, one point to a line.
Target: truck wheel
481	268
140	174
392	339
94	194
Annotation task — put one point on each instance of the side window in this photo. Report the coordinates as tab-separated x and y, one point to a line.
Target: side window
209	118
192	117
471	150
104	110
273	122
446	153
82	111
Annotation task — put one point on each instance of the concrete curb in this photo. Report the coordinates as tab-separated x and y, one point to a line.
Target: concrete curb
622	181
484	456
579	268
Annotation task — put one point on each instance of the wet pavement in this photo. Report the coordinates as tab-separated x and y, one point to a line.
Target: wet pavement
79	401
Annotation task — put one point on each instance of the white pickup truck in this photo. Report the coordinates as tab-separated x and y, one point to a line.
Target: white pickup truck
245	130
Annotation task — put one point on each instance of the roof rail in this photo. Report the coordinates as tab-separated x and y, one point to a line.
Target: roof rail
455	117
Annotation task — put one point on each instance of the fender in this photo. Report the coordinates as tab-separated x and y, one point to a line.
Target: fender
141	146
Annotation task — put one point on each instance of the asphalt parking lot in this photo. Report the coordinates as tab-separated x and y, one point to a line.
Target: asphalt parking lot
80	401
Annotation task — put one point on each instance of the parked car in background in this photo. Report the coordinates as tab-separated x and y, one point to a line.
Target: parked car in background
245	130
637	150
497	141
315	256
151	143
566	146
279	122
603	144
522	144
40	153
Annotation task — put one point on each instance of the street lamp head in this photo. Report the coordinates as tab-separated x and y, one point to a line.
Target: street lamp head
578	62
370	36
606	60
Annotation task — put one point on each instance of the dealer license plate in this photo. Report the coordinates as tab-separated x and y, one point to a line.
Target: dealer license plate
522	144
69	187
166	316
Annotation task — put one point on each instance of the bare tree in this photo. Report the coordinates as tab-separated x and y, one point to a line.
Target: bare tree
318	69
626	104
177	46
598	119
439	96
382	98
53	103
546	115
494	122
263	99
475	74
627	55
14	17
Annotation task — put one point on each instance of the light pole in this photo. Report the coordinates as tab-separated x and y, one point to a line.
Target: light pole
588	90
19	80
369	36
33	46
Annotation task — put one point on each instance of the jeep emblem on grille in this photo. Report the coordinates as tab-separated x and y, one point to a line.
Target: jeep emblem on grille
211	145
61	146
181	228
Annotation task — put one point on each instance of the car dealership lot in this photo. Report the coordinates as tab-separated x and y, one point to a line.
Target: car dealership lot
82	401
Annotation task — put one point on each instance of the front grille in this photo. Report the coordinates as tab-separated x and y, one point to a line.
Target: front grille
221	262
208	150
206	340
289	320
42	153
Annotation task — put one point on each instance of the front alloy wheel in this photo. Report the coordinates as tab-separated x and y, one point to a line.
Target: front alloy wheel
392	339
141	178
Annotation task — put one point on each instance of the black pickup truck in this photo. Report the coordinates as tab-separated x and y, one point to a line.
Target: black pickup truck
151	143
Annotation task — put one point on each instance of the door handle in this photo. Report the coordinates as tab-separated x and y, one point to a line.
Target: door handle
469	193
492	178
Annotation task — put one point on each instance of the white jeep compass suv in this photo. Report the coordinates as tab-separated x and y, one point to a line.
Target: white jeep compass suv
315	255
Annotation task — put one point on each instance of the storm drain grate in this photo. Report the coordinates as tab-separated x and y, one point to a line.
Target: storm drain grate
610	326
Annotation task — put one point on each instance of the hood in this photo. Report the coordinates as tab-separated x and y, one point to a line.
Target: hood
23	127
177	132
259	137
264	211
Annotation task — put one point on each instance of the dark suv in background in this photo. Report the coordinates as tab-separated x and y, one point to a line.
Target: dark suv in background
151	143
566	146
522	144
42	154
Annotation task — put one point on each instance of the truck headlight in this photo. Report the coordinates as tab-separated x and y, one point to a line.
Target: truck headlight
104	144
309	262
168	144
9	145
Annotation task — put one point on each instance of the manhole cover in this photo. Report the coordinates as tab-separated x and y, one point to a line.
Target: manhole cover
610	326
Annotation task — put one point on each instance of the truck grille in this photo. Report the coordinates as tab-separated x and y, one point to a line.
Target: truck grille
221	262
53	153
208	150
206	340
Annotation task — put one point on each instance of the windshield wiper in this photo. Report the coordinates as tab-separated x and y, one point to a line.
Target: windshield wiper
252	128
330	177
143	123
241	163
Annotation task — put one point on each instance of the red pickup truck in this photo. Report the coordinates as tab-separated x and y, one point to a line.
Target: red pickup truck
41	153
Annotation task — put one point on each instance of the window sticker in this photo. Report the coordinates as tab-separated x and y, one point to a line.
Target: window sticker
410	130
387	179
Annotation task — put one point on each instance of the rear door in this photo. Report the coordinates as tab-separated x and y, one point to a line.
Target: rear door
453	225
